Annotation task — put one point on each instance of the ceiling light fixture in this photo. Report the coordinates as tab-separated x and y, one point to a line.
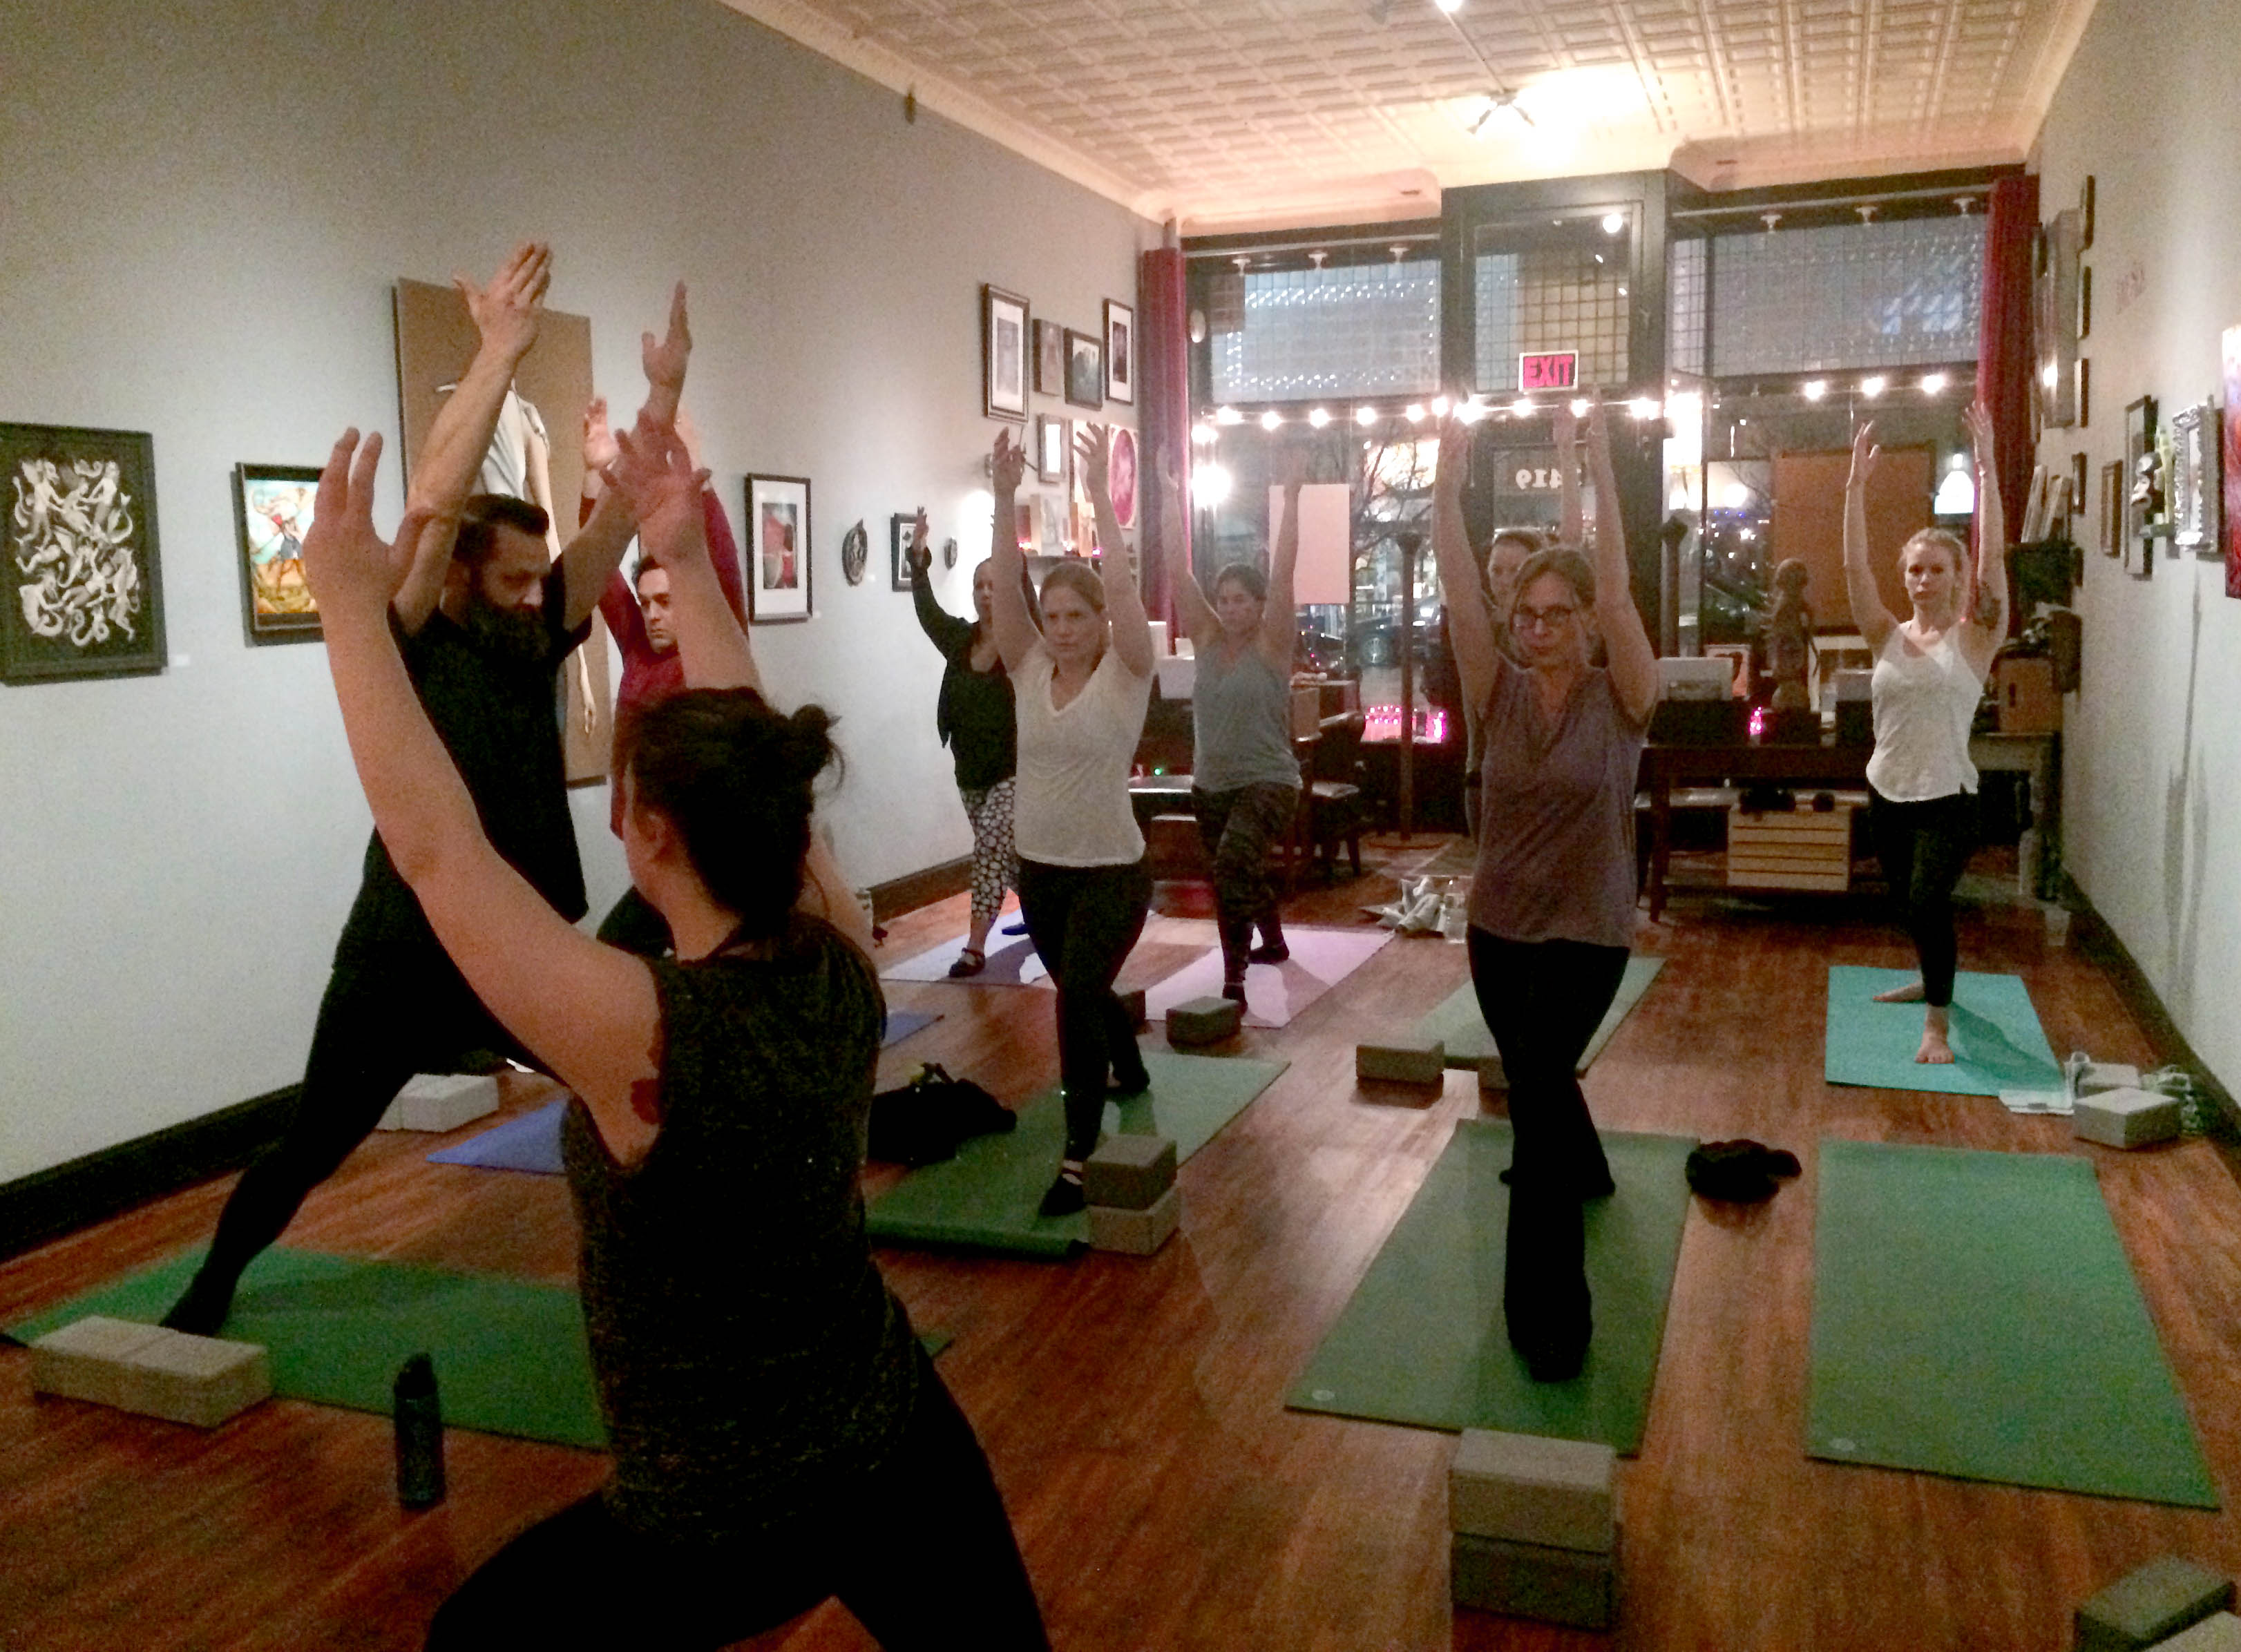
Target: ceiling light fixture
1521	408
1440	407
1318	418
1613	221
1413	412
1770	219
1933	384
1227	416
1873	387
1450	7
1816	388
1271	420
1365	417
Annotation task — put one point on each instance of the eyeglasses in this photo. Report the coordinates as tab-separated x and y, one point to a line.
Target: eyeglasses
1523	618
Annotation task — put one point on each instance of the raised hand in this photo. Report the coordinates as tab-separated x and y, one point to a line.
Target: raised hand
352	570
1598	424
656	478
1454	458
1567	429
1978	419
1864	455
599	448
665	360
1090	453
1008	464
507	313
920	557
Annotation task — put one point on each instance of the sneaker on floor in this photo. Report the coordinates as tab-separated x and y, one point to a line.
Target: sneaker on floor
970	961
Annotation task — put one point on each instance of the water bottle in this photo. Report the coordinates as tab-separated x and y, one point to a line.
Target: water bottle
419	1434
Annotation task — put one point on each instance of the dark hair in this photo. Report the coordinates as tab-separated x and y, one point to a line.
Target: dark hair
1532	538
1245	574
645	566
1078	577
737	777
1569	565
481	517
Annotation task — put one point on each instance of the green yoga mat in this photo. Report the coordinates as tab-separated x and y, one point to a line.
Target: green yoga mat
510	1356
1458	1024
1998	1042
1422	1341
985	1197
1974	1316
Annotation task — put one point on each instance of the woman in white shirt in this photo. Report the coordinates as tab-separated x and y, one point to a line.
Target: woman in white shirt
1929	677
1080	684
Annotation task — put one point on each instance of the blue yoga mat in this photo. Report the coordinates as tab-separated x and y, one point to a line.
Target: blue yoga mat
1998	1042
902	1023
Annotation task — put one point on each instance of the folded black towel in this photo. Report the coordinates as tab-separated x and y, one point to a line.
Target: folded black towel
1740	1172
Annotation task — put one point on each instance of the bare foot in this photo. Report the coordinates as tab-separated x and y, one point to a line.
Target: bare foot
1935	1051
1909	994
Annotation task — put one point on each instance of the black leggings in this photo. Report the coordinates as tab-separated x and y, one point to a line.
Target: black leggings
1924	848
1543	1000
1084	921
1238	828
920	1550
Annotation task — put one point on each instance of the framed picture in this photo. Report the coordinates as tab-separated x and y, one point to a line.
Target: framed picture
271	514
2085	214
2078	482
1004	354
84	598
2142	486
1052	453
1050	358
1119	352
2196	435
855	553
900	527
1085	370
2113	508
1121	475
2057	313
778	550
2230	459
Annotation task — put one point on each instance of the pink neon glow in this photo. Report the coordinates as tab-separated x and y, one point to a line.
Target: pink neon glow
1757	721
1383	723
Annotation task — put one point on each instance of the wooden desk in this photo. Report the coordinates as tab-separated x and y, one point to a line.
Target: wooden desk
1664	768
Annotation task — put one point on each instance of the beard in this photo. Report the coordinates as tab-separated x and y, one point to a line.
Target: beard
516	635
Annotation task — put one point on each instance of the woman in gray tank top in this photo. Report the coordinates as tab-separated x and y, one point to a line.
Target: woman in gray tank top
761	1387
1245	776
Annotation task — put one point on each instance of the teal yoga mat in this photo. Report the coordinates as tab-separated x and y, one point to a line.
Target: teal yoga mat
1457	1024
985	1197
1974	1316
1998	1042
1422	1340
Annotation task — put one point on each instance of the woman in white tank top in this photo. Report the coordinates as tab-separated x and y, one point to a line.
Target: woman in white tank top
1929	675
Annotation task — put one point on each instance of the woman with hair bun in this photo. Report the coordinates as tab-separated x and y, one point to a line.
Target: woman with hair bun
1929	677
1553	895
1080	685
779	1436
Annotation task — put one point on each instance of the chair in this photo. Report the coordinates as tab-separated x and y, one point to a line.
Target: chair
1332	800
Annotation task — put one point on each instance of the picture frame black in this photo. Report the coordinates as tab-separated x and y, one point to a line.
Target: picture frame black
1050	358
2113	508
899	528
1084	369
777	567
2085	193
271	514
73	613
1053	450
1004	334
1119	352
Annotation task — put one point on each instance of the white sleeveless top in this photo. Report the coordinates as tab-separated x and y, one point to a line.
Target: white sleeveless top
1070	807
1924	700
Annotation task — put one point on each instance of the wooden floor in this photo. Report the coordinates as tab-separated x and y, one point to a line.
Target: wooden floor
1132	1409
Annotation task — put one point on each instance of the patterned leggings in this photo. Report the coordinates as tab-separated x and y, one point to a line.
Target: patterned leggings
996	862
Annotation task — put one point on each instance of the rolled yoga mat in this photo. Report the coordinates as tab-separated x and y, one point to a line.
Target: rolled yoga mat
1422	1340
985	1197
1974	1315
1998	1042
1457	1023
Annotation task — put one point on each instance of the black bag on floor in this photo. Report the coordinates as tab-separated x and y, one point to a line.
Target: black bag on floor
923	1122
1741	1172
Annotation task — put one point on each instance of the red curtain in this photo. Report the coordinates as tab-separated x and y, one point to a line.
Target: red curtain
2003	337
1162	409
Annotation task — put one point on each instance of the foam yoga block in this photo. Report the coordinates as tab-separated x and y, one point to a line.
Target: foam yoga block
1522	1488
2150	1605
2096	1076
157	1372
2125	1118
2219	1633
439	1102
1406	1060
1526	1580
1136	1233
1129	1172
1204	1020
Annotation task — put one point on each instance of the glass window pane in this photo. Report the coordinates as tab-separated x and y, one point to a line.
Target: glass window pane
1294	335
1896	294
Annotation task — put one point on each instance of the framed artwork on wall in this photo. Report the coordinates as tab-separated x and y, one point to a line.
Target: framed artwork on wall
84	597
271	514
2113	508
778	550
1051	453
1121	475
1119	352
1050	358
900	527
2144	498
1084	369
855	553
2230	457
2197	436
1004	354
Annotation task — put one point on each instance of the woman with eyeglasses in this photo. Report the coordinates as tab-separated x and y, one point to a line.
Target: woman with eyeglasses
1553	896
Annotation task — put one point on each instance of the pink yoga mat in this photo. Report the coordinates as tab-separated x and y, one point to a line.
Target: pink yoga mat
1275	993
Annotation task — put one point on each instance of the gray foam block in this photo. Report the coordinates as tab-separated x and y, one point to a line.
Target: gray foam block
441	1101
1136	1233
1522	1488
1204	1020
1129	1172
1524	1580
1404	1061
2219	1633
2096	1076
85	1358
2125	1118
2150	1605
158	1373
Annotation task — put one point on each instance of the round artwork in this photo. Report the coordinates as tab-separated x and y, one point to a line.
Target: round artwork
855	548
949	553
1121	475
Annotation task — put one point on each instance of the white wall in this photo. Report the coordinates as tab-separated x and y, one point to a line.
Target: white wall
2150	828
201	210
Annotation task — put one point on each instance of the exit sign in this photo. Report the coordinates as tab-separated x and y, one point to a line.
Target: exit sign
1549	370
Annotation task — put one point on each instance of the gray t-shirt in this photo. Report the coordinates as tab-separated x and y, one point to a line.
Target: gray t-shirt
1240	724
746	1351
1555	812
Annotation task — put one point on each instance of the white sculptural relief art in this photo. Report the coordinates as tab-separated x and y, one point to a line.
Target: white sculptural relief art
71	533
